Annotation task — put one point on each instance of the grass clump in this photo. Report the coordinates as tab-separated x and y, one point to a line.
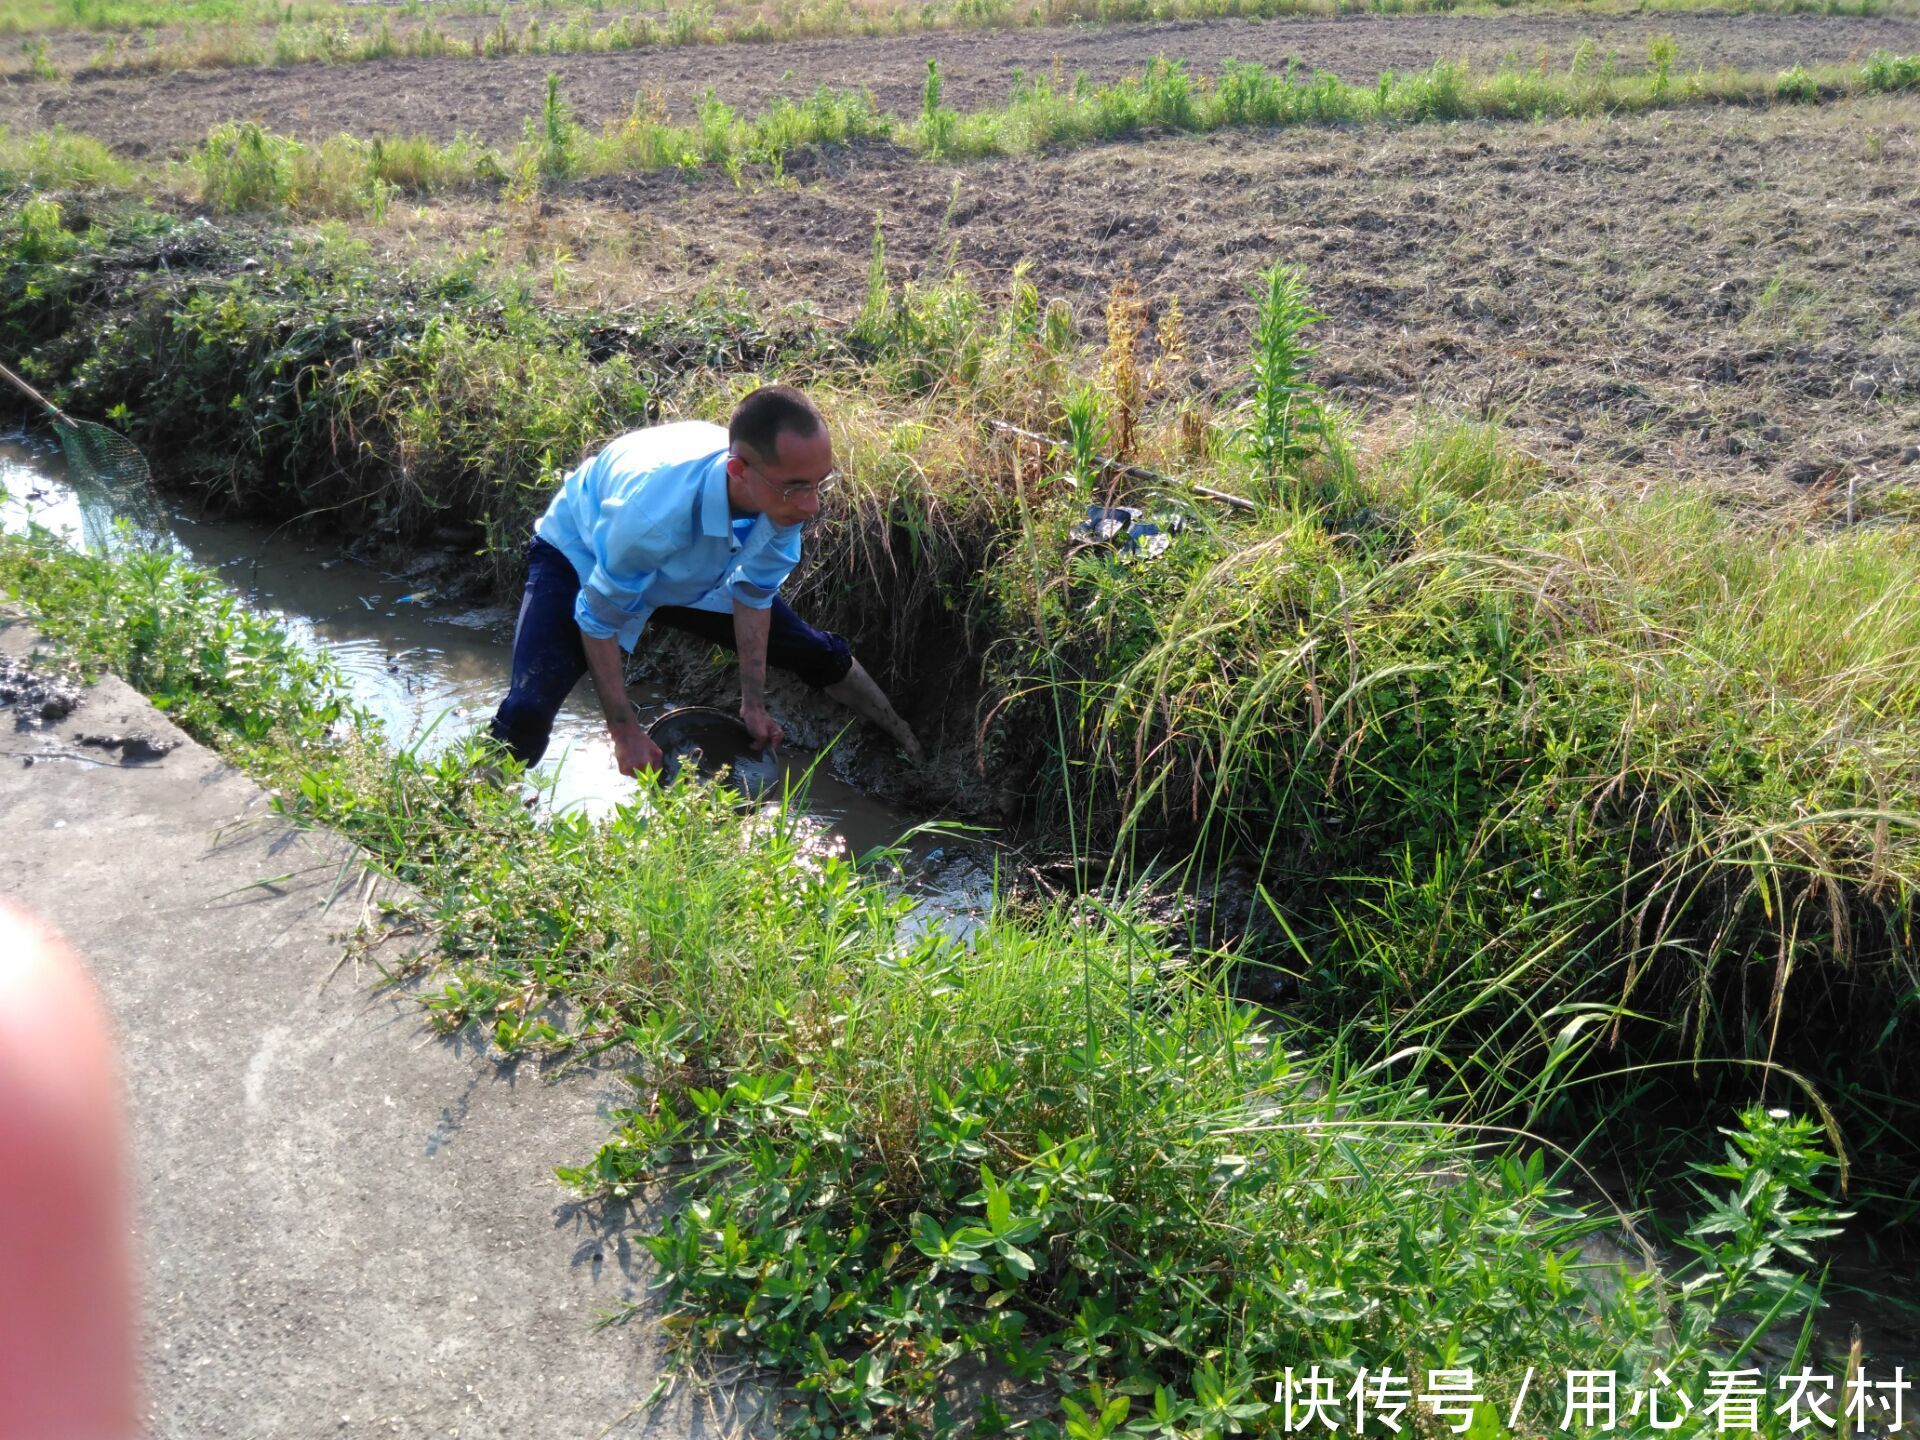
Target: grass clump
180	635
418	167
646	139
1886	71
1527	775
243	167
1797	86
58	159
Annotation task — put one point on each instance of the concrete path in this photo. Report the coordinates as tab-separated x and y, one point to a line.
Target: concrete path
346	1226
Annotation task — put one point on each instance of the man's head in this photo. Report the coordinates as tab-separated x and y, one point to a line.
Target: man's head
782	456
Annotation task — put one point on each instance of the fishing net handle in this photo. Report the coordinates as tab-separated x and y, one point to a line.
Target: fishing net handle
93	451
32	394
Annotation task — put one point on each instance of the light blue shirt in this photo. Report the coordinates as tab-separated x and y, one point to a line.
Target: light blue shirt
646	524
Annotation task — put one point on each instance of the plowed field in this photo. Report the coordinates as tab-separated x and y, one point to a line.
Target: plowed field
1707	292
171	112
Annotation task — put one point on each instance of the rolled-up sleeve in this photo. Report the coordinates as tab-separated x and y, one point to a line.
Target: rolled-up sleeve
762	566
628	547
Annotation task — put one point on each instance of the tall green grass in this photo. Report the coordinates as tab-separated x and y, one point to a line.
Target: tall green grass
244	167
1530	776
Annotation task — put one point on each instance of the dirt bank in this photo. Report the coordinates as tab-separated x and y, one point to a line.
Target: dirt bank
170	113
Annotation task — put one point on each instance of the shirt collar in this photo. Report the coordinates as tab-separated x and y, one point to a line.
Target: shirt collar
715	520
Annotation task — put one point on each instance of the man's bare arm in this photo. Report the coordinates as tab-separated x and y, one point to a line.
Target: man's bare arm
632	750
750	629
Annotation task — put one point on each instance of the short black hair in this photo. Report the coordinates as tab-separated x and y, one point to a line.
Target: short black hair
760	419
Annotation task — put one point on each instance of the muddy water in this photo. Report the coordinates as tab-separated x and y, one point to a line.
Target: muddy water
434	671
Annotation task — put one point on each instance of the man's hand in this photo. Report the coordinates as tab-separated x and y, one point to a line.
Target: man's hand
764	729
633	751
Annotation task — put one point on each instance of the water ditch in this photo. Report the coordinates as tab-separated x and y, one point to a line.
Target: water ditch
432	669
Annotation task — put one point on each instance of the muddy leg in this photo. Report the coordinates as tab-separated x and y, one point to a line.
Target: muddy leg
859	694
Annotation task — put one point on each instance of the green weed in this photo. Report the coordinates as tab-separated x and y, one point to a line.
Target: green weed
1284	417
1884	70
1663	52
243	167
554	139
1796	85
219	671
937	124
874	325
40	61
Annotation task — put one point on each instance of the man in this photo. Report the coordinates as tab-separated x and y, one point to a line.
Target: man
694	527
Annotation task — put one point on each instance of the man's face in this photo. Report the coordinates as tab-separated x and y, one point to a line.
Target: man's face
786	486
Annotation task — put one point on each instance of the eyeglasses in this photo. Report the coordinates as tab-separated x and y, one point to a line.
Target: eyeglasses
796	489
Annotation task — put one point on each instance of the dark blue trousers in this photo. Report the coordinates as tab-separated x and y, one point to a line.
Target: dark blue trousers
548	658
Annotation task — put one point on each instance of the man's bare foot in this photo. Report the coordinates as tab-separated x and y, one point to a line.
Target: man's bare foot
860	694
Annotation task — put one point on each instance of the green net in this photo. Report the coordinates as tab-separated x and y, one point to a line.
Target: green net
102	456
111	480
108	475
